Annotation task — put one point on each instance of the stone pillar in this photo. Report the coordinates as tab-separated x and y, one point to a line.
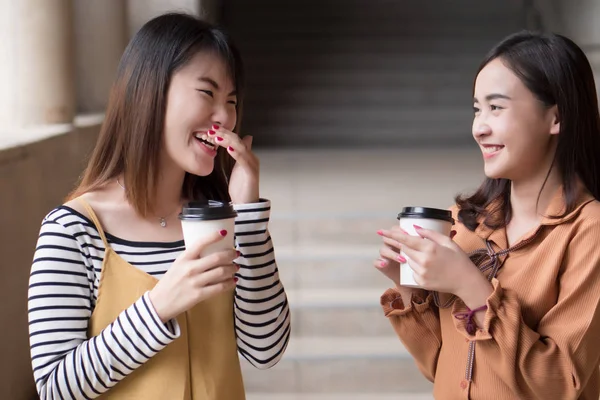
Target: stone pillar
36	69
100	38
141	11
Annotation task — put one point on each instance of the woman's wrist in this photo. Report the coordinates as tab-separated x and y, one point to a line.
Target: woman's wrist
474	294
156	303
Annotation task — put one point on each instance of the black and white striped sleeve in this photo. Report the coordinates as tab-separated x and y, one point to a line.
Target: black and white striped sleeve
66	364
262	314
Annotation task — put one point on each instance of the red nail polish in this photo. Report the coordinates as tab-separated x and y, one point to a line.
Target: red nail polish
211	132
215	127
235	280
452	234
380	233
238	253
219	139
403	231
223	233
401	259
417	227
230	148
383	263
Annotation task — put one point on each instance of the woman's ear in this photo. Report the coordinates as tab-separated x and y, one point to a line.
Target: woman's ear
555	127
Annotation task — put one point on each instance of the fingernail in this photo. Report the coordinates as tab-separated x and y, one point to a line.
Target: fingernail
452	234
417	227
401	259
215	127
380	233
219	139
235	280
238	253
223	233
383	263
403	231
211	132
230	148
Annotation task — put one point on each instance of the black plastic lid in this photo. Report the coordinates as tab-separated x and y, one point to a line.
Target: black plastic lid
424	212
207	210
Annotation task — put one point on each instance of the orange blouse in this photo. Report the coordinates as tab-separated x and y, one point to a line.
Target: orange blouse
541	332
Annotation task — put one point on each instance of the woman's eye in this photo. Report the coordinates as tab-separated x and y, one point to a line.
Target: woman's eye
475	110
232	102
495	108
208	92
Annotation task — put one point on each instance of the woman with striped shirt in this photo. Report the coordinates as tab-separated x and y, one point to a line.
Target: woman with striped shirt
118	307
512	306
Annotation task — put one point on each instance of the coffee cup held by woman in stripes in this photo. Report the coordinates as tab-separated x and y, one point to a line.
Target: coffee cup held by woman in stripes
119	307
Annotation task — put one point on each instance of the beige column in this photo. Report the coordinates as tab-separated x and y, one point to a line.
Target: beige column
100	38
36	64
141	11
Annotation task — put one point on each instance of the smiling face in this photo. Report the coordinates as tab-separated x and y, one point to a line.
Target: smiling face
201	94
512	127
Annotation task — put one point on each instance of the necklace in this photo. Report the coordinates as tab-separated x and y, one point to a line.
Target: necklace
161	220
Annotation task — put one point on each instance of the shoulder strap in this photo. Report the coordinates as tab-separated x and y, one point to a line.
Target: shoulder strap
94	218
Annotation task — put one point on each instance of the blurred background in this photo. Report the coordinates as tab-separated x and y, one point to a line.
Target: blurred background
357	107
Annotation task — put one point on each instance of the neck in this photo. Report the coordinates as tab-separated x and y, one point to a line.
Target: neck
530	198
168	191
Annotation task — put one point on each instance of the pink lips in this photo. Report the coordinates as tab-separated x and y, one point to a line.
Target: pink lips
212	152
491	150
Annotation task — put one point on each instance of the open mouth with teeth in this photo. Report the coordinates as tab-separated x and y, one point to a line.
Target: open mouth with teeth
206	143
204	140
492	149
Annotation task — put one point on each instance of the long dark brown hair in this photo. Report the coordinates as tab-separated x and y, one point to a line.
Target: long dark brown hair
131	136
558	73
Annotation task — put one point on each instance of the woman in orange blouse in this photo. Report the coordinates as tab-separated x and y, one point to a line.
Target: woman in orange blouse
511	308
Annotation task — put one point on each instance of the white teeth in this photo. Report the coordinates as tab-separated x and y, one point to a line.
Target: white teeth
205	138
491	149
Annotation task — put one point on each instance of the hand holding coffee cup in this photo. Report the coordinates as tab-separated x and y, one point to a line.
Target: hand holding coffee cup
437	263
433	219
206	268
394	263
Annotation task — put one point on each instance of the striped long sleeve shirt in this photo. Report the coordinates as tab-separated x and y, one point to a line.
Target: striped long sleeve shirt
64	287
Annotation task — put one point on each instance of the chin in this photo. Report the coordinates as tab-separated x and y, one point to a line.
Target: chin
199	170
492	171
496	173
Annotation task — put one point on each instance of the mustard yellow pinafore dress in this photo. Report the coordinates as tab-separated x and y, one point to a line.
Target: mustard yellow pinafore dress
202	364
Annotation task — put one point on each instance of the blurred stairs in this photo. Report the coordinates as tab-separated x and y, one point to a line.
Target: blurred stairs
354	73
391	82
327	207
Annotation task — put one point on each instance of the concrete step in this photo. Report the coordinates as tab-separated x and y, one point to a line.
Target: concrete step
318	135
328	267
302	13
337	312
366	117
393	65
392	44
327	200
404	97
339	365
339	396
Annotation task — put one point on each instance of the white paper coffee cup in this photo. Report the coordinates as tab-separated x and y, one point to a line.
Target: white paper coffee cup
428	218
201	219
